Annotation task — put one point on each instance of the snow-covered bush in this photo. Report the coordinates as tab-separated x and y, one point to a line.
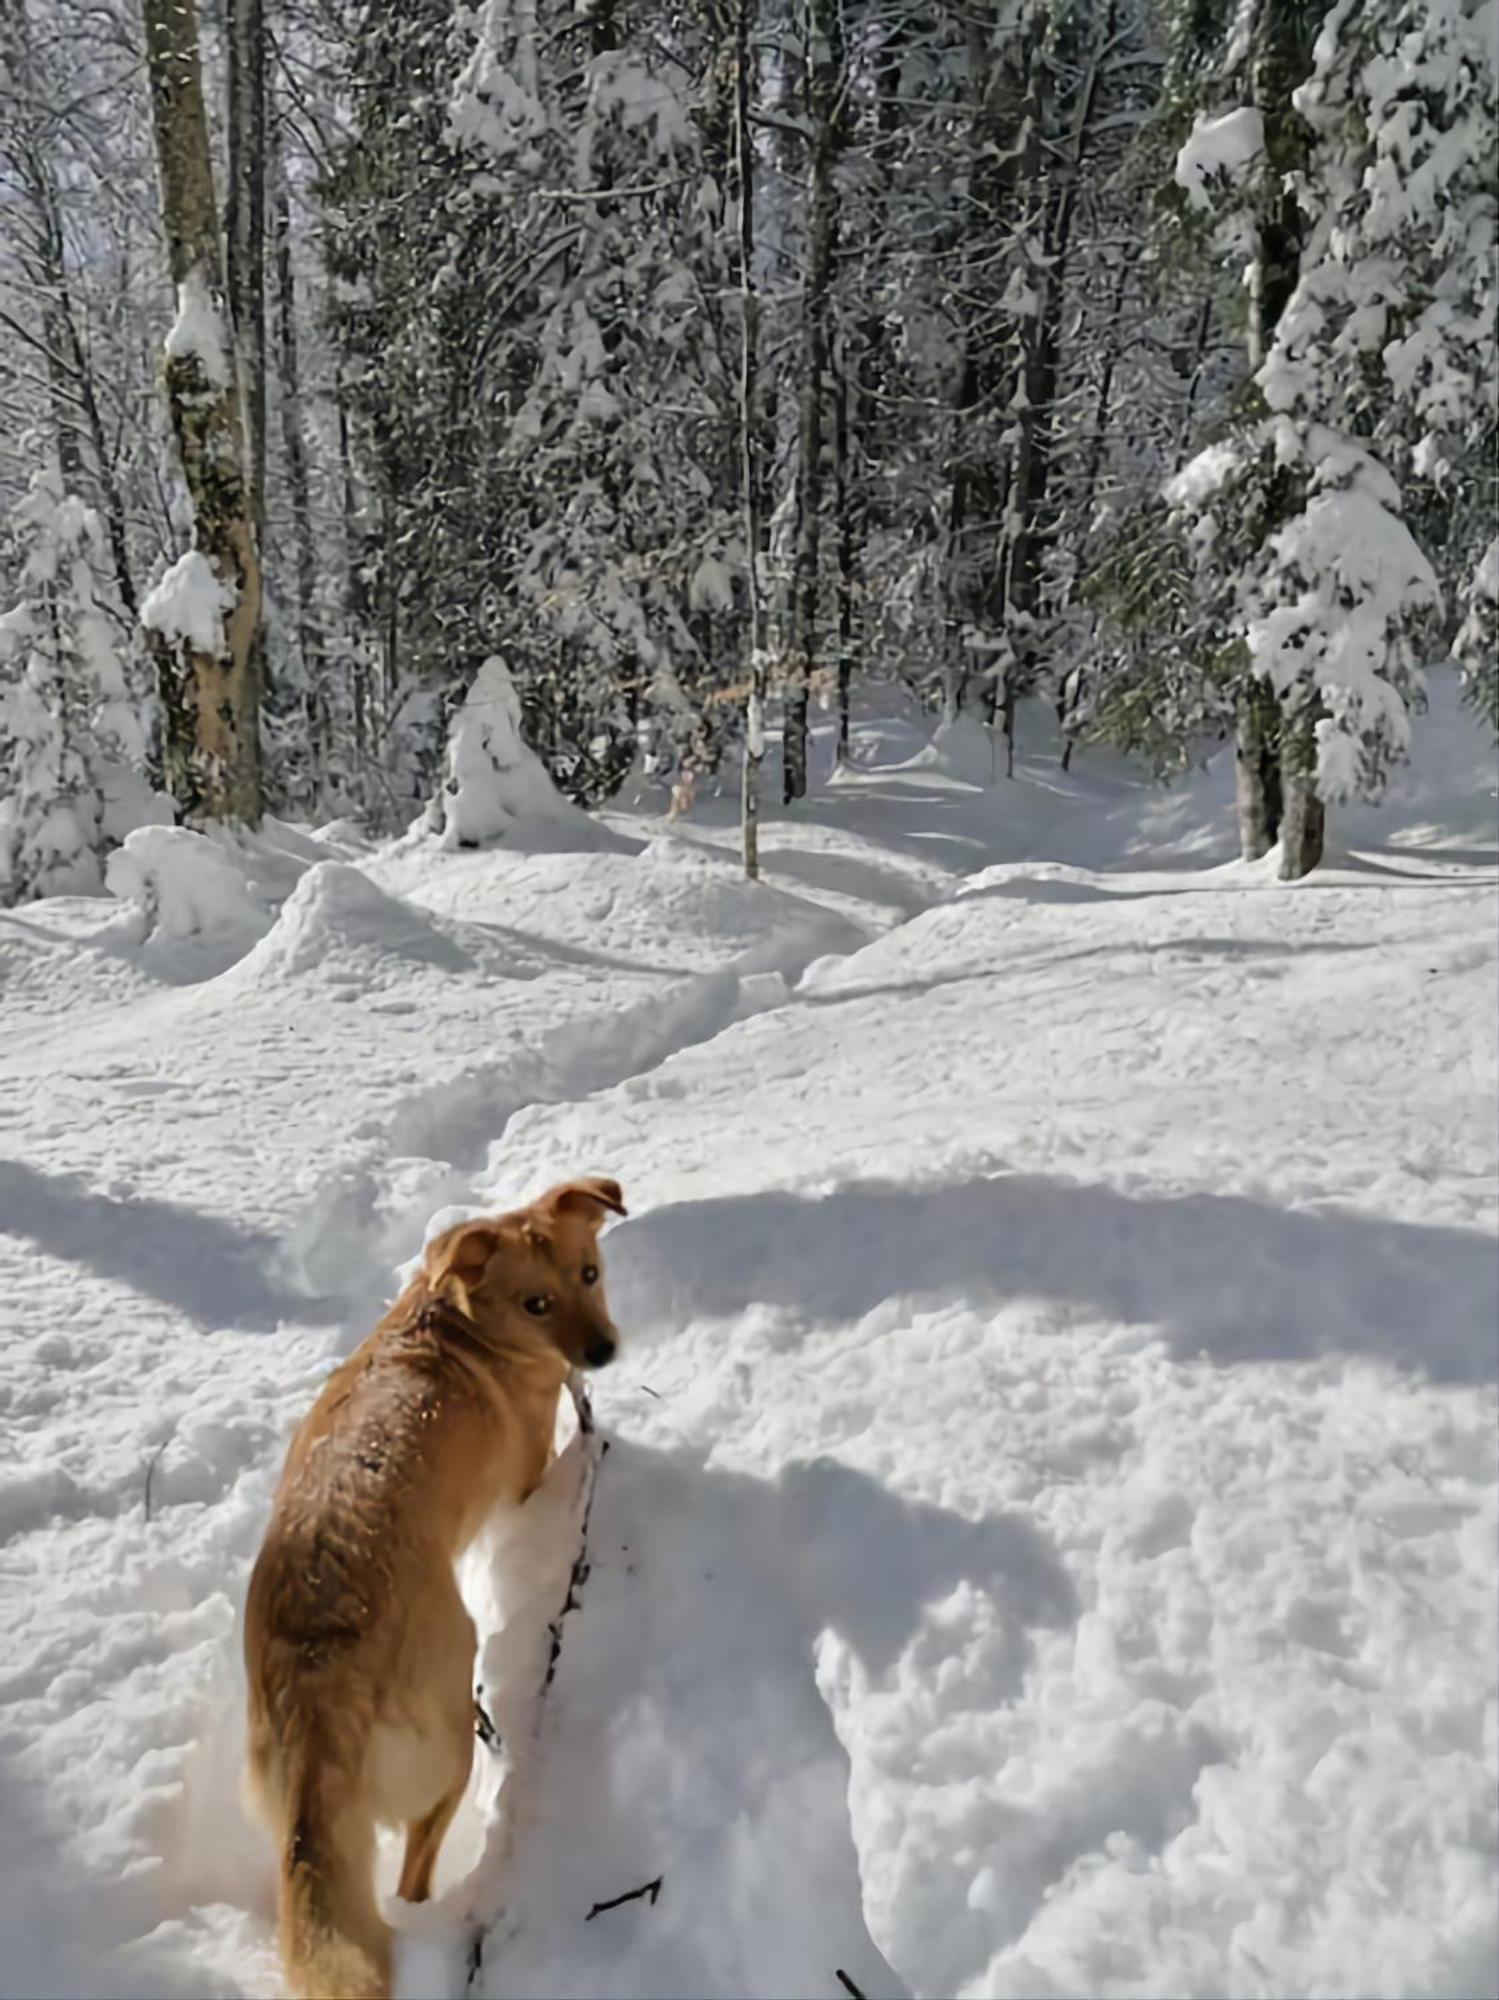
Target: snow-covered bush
185	883
72	741
496	788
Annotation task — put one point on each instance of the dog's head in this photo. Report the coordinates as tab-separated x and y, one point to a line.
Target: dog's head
535	1271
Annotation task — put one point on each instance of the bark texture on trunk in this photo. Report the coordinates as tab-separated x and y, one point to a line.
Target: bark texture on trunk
1303	823
1257	770
1283	38
822	226
294	451
244	237
211	702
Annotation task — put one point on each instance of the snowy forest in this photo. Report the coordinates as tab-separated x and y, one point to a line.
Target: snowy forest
835	665
1133	355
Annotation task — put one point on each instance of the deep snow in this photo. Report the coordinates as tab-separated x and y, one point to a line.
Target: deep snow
1047	1540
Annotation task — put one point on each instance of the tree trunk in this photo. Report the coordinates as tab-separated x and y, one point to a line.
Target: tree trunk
848	552
1303	816
1257	769
1284	33
975	496
823	81
750	463
244	236
294	450
211	702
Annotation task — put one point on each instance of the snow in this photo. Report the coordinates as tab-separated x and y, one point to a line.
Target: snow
496	788
1217	152
188	604
1046	1544
198	331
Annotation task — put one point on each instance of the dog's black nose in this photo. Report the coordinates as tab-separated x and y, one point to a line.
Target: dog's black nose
599	1353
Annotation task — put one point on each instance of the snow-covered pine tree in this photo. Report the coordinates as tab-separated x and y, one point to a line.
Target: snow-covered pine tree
423	277
72	744
622	544
1362	162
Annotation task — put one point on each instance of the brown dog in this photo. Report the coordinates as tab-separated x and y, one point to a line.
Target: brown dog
358	1650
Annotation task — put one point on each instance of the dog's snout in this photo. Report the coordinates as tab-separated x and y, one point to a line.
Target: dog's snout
600	1351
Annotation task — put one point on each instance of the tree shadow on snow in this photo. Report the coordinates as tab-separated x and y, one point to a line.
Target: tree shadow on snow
687	1737
1223	1276
203	1267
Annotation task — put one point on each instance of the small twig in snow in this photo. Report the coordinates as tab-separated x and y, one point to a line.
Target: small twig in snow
151	1464
647	1889
475	1960
846	1983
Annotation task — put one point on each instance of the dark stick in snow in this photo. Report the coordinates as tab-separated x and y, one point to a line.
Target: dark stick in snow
648	1889
151	1464
846	1983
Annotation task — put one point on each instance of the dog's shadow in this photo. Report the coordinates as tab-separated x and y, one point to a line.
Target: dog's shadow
685	1736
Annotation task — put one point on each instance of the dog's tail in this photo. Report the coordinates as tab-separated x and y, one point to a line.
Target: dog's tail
334	1943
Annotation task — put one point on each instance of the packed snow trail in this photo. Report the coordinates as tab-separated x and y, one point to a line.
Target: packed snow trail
1047	1541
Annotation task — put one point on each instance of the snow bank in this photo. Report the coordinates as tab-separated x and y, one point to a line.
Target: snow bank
226	883
497	790
335	910
963	748
679	906
185	883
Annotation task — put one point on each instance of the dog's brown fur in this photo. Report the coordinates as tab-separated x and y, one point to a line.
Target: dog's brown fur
359	1652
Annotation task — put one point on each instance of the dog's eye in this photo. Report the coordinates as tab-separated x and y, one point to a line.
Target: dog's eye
537	1305
590	1274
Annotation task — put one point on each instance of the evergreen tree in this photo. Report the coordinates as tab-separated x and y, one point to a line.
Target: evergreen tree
72	742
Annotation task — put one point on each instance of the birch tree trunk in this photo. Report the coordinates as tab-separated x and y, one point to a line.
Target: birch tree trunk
823	83
211	700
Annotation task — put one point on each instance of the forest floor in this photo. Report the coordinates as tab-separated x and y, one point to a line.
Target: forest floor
1048	1538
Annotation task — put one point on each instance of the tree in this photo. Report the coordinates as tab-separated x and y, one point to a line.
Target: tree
751	467
72	745
825	83
1371	341
207	625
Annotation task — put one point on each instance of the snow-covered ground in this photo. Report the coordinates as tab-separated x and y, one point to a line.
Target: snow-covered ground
1047	1543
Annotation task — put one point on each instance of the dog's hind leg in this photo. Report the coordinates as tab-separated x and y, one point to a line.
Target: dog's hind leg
423	1840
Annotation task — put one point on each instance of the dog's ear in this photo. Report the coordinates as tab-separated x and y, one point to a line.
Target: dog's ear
585	1197
454	1262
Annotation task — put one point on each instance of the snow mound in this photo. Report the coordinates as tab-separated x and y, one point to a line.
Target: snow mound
185	883
335	910
679	906
963	749
497	791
